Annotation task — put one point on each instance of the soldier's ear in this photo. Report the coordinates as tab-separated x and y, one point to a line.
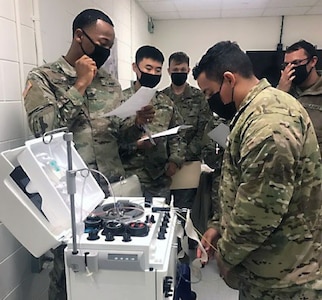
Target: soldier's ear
314	60
134	67
230	77
78	35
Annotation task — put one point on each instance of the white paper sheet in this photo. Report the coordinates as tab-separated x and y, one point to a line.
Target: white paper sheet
170	131
219	134
129	108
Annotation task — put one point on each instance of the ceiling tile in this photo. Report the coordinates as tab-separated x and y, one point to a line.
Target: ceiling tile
161	6
164	15
202	5
244	4
290	11
209	14
183	9
290	3
317	10
241	13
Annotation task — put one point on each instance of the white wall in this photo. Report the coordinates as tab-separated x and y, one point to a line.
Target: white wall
18	54
195	36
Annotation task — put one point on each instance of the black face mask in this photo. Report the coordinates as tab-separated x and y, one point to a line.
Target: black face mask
99	55
179	79
226	111
149	80
301	74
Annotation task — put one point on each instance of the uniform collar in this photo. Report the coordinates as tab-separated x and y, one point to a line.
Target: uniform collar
187	92
66	67
258	88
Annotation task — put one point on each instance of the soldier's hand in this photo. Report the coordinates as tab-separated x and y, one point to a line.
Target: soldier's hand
227	274
287	76
209	242
171	169
144	144
85	70
145	115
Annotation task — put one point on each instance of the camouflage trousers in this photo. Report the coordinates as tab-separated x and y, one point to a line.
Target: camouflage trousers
57	285
251	292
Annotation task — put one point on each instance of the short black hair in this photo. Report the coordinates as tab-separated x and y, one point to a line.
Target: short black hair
309	49
179	58
224	56
148	52
88	17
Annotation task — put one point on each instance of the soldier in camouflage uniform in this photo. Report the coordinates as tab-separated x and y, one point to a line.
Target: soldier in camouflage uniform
194	110
300	78
154	164
74	92
269	236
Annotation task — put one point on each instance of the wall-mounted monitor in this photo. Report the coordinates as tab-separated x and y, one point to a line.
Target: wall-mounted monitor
268	64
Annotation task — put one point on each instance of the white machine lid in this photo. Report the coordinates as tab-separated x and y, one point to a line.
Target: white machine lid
33	186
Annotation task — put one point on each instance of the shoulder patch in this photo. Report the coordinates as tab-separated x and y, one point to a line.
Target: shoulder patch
27	88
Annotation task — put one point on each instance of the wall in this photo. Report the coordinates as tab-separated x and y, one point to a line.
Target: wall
18	54
196	36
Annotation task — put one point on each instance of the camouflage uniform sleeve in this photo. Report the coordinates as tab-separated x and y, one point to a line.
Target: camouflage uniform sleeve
204	116
177	143
264	192
215	211
129	134
44	110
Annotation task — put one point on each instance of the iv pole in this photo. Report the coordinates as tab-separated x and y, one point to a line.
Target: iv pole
70	176
71	186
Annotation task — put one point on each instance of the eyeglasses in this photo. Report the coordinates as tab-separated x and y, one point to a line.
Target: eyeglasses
296	62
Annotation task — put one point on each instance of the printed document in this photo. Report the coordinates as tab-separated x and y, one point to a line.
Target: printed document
129	108
170	131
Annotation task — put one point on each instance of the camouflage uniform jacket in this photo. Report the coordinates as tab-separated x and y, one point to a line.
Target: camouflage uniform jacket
52	102
311	99
271	192
195	111
149	164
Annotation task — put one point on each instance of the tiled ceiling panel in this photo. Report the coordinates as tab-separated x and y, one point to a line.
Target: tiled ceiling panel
205	9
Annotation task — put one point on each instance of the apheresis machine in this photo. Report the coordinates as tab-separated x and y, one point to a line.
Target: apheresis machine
117	248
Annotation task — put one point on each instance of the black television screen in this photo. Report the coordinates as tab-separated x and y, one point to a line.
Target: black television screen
268	64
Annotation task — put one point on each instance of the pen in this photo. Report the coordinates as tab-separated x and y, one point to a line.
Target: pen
148	132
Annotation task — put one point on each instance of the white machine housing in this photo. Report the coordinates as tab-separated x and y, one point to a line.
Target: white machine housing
143	268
